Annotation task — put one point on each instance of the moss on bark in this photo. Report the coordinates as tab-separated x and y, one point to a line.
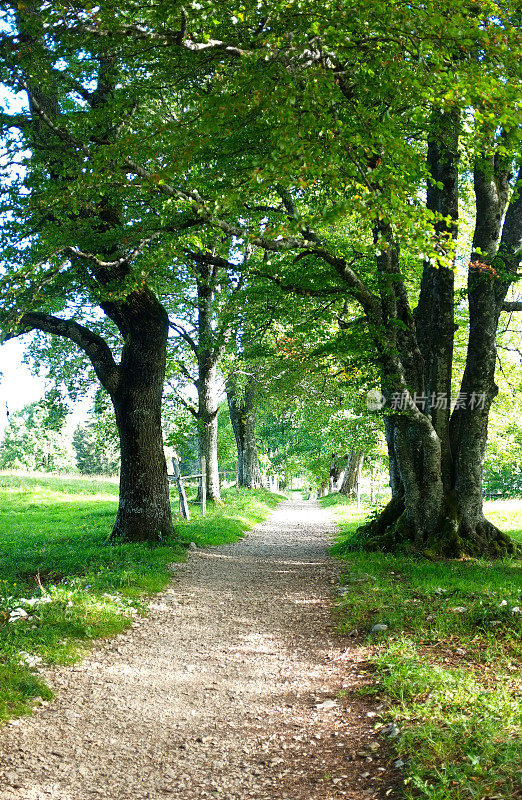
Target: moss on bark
392	531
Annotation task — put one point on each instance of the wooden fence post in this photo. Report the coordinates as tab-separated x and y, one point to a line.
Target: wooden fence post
181	491
359	481
203	492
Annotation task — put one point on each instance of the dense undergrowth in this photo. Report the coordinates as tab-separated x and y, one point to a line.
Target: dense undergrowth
63	584
448	663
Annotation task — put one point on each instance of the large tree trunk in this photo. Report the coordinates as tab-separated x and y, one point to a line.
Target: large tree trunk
493	265
208	353
427	518
144	512
243	418
337	468
436	456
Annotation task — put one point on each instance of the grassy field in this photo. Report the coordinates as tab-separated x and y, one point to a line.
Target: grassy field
63	584
448	664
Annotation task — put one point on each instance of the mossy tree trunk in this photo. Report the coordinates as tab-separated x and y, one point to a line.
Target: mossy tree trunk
436	451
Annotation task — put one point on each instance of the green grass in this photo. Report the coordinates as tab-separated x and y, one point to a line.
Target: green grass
449	663
54	544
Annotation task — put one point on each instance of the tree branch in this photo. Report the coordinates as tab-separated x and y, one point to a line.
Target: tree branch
185	372
168	36
96	348
512	306
61	133
198	205
289	204
20	121
359	290
301	291
185	336
185	403
366	298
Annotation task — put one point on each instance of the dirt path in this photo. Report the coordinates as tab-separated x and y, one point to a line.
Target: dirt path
215	694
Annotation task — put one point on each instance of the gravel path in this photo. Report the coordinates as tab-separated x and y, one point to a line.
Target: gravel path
216	693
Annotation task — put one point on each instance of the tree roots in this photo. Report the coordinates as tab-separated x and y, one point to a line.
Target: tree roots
454	536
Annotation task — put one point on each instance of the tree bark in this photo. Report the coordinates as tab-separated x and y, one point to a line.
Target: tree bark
207	424
351	475
144	512
436	456
208	352
337	468
243	418
494	264
434	315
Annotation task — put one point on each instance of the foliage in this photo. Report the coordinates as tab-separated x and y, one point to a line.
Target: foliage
182	435
96	441
226	443
503	463
34	439
448	662
300	437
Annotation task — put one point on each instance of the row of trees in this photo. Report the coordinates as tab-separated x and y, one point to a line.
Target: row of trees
291	441
286	441
236	175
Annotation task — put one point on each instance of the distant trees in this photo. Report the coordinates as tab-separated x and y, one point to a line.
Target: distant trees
242	408
39	437
203	318
503	461
95	441
34	440
94	456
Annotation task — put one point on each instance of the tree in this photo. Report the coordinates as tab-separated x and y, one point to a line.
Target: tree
451	61
96	441
204	317
315	144
242	409
352	472
70	240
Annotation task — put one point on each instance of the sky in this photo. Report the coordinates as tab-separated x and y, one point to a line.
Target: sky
17	385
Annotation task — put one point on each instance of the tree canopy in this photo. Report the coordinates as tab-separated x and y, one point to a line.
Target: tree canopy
333	146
